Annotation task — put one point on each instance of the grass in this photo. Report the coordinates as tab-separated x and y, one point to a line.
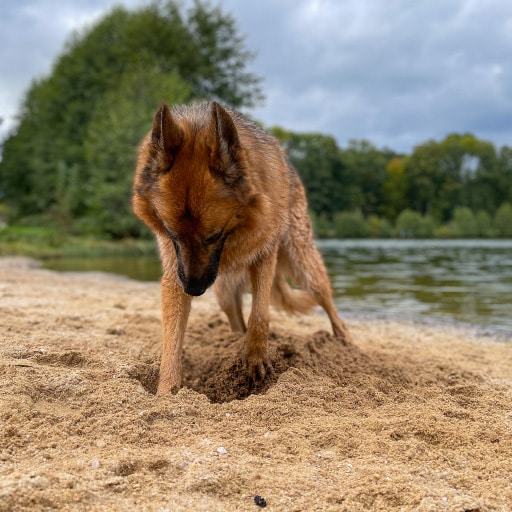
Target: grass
44	243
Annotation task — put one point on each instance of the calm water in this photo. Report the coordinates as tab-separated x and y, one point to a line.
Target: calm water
441	281
467	281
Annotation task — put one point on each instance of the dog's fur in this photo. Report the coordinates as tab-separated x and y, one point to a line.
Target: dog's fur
226	207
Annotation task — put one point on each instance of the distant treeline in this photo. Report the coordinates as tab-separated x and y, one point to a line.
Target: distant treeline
458	187
69	163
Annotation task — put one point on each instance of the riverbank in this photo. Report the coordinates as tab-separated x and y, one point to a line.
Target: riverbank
409	417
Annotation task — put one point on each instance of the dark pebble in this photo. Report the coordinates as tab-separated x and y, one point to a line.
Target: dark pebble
260	501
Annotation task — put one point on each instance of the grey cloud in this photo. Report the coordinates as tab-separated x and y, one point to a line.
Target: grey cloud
395	72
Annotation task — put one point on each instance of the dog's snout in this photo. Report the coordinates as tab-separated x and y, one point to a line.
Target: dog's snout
195	287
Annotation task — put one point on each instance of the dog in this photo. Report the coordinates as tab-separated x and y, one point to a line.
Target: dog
228	210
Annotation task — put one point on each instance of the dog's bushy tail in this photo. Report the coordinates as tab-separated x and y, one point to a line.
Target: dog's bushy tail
284	297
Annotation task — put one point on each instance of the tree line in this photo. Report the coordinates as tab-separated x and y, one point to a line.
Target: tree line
457	187
69	163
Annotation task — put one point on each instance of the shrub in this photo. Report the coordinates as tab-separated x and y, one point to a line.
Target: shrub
503	220
350	225
411	224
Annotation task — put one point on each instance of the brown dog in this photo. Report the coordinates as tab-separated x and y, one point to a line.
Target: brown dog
226	207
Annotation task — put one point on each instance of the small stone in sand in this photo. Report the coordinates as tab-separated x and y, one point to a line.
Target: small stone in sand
260	501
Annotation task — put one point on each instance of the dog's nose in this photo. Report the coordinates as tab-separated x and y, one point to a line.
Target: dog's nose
196	287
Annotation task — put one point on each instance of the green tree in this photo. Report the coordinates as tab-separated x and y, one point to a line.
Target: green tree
484	224
411	224
394	189
503	220
122	118
464	221
200	45
350	225
453	172
366	167
379	227
317	160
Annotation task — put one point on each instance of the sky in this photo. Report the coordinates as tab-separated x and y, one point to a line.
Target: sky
394	72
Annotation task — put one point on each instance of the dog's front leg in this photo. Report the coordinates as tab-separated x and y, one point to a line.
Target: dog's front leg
256	341
175	311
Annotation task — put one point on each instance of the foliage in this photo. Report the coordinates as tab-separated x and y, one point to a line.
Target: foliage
72	153
379	227
411	224
350	225
45	242
503	220
394	189
458	171
69	163
117	126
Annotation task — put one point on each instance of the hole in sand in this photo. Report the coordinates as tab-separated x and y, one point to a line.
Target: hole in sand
213	364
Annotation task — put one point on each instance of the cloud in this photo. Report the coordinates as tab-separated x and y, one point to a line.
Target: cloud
32	35
396	72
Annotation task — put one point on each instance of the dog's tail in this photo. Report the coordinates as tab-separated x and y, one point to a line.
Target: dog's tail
288	299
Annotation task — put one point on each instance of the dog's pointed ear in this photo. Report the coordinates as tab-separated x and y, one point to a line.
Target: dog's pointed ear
227	135
227	149
166	134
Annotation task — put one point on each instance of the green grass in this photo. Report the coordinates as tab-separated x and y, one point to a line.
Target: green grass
43	243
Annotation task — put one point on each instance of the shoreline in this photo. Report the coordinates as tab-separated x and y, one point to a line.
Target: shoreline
408	417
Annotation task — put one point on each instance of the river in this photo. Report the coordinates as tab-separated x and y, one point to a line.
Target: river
463	281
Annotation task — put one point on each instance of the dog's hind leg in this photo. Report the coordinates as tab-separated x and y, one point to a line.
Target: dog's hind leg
309	271
229	289
306	264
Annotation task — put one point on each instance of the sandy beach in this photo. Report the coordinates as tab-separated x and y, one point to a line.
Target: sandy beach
408	417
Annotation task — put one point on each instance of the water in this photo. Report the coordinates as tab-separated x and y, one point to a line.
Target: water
468	281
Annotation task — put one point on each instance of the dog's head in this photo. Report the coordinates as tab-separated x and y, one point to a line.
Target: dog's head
191	187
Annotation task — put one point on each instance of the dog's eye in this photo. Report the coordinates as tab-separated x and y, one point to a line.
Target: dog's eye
213	238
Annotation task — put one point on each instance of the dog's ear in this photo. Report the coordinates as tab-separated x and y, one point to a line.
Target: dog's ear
226	147
166	134
227	135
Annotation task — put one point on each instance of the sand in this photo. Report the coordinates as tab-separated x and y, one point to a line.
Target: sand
408	417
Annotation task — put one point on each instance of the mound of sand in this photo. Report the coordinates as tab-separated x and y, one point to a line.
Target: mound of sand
409	417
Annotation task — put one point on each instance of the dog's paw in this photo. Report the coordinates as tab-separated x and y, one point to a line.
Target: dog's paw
257	370
342	333
169	385
257	366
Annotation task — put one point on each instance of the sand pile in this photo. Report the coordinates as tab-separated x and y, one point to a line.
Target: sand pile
409	417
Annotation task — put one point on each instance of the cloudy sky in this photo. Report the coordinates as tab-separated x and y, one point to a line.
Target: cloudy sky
395	72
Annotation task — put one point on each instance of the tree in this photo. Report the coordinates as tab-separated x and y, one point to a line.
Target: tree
366	166
464	221
122	118
201	46
453	172
503	220
394	189
350	225
317	160
484	224
411	224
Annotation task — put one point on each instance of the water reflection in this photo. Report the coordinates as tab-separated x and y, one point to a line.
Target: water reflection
466	281
469	281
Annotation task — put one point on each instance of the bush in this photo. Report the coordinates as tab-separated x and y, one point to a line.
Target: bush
411	224
484	224
379	228
350	225
322	226
503	220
